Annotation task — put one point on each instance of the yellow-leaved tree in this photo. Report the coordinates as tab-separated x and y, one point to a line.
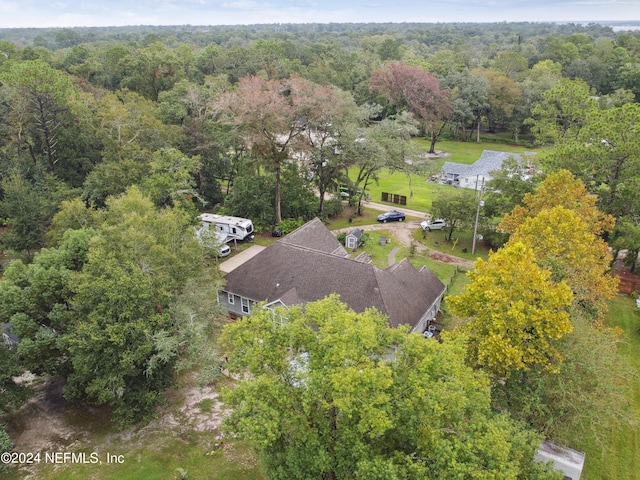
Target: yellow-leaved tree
566	245
560	189
517	313
561	224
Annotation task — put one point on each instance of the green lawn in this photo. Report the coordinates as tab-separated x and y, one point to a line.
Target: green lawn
461	240
160	458
622	461
380	255
348	218
419	192
469	152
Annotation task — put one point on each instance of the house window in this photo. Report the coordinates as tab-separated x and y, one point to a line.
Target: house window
230	298
279	319
245	305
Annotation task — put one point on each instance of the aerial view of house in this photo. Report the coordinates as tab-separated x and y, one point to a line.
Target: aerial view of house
473	176
309	264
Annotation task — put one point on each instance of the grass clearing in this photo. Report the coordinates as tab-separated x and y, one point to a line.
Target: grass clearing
161	457
349	218
621	461
444	271
462	240
469	152
454	287
419	192
380	255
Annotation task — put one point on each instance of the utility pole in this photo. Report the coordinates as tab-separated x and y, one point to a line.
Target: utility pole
475	227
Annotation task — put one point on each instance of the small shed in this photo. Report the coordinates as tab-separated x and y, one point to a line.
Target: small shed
353	239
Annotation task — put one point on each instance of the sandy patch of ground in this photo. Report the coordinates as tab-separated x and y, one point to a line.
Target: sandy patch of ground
403	232
43	423
202	410
189	408
48	423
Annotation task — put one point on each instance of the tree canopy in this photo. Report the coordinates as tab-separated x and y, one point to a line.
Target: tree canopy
561	223
100	310
271	117
111	137
518	313
329	393
417	90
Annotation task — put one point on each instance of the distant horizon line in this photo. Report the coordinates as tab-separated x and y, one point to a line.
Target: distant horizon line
559	22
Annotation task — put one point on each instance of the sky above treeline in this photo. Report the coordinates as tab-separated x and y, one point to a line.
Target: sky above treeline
95	13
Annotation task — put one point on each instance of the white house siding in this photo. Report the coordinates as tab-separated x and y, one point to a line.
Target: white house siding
474	182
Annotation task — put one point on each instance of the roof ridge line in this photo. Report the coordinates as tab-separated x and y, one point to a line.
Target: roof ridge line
331	254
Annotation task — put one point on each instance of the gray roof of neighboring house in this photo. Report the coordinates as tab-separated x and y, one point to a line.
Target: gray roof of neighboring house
8	337
297	274
489	161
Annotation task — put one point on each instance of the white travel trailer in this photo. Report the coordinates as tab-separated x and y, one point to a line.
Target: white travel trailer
235	228
213	239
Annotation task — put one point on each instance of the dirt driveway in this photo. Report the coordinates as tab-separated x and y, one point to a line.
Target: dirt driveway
403	232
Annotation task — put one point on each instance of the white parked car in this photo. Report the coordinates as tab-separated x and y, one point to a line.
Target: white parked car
225	250
213	239
437	224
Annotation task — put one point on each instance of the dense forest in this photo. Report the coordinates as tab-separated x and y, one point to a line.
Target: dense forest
76	100
112	140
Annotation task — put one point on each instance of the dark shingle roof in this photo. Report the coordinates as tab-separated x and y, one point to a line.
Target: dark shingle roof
316	236
300	274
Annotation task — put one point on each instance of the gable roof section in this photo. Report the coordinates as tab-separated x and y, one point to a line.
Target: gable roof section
489	161
407	293
297	274
455	168
315	236
356	232
8	337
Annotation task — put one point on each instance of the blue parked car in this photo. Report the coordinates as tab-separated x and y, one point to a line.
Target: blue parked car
392	216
